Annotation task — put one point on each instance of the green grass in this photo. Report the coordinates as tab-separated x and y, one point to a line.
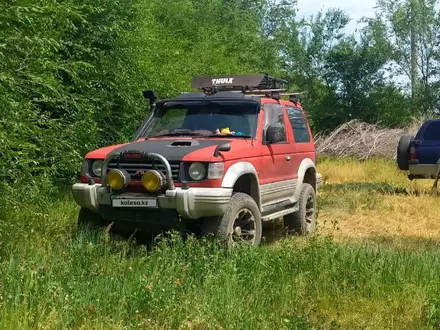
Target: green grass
52	277
89	281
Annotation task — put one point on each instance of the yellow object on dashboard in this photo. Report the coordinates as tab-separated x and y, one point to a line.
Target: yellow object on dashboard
226	131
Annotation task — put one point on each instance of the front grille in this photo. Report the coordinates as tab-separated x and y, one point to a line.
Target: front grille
132	167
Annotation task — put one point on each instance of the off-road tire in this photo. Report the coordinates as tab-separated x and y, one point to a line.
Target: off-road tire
403	152
89	220
222	227
302	222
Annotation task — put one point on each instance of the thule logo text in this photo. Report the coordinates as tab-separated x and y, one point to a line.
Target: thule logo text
222	81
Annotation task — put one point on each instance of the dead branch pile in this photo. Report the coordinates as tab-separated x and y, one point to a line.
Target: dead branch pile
362	140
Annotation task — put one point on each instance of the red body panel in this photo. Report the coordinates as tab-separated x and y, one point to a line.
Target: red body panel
299	151
241	149
274	166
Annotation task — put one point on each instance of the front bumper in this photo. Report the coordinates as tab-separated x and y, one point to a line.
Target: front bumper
86	196
427	171
192	203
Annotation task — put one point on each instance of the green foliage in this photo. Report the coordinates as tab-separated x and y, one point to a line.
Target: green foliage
406	19
432	309
58	85
72	72
344	75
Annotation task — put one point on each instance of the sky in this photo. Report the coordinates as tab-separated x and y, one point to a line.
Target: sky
354	8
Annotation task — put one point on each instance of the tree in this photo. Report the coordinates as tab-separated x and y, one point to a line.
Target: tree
413	31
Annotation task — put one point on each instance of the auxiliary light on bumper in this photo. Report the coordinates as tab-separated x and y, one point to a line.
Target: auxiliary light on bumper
153	180
118	179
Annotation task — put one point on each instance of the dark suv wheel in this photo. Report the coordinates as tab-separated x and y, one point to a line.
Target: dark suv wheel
403	152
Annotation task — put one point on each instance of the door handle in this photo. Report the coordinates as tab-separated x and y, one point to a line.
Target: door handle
288	158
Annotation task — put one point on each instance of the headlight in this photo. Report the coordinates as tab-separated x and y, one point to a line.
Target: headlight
153	180
197	171
215	170
118	179
97	168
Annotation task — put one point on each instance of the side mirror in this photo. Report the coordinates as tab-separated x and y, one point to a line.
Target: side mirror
275	134
222	147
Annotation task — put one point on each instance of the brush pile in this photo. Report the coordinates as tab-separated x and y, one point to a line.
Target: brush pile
362	140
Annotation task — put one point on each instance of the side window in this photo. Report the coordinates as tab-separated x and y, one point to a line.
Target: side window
433	132
274	117
299	125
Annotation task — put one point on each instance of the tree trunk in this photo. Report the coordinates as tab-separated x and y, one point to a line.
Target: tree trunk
414	60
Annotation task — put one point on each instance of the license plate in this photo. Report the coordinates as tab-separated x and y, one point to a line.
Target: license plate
134	202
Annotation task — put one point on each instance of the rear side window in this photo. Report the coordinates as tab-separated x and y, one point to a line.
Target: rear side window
299	125
433	132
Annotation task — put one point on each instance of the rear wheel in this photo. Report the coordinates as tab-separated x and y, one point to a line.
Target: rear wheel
403	152
89	220
303	222
240	223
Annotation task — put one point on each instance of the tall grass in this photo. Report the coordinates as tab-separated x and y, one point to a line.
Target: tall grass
53	277
89	282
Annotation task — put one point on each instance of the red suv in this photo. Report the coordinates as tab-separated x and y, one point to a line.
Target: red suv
219	161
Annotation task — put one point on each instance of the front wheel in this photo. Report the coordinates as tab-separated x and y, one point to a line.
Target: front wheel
240	223
303	222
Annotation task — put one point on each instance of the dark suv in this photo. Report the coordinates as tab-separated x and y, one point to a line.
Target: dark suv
420	155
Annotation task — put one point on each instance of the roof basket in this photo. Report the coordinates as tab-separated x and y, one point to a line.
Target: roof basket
247	84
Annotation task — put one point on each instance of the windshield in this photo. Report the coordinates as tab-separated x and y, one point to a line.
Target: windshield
205	119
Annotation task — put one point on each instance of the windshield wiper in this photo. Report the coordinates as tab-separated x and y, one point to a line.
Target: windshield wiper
178	134
201	135
228	136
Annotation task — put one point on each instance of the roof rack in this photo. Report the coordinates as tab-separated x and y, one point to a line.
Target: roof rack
294	97
247	84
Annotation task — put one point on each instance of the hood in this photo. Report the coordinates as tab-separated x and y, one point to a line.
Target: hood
181	149
102	152
240	148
